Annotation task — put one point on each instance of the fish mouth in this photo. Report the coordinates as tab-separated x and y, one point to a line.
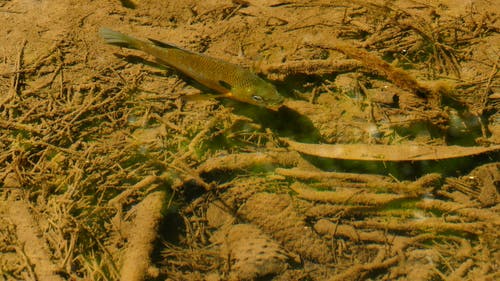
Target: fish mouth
275	104
274	107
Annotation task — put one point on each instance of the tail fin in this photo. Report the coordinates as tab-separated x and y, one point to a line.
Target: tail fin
119	39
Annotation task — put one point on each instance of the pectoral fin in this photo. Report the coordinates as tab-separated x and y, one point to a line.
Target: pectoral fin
198	97
225	85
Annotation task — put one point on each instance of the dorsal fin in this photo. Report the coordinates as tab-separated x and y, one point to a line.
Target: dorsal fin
161	44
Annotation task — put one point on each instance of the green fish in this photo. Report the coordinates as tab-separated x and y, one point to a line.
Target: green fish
229	79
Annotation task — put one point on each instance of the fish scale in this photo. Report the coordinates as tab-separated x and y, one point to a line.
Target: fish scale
231	80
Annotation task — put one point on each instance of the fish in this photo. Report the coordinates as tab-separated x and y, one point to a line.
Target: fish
228	79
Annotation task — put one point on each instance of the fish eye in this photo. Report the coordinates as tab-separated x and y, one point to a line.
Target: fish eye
257	98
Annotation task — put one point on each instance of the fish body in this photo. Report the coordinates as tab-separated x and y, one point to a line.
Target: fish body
229	79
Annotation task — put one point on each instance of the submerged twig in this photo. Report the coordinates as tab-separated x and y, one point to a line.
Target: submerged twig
312	67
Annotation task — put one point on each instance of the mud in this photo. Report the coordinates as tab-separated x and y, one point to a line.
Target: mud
113	167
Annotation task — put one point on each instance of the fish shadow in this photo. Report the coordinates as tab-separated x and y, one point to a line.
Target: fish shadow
284	122
128	4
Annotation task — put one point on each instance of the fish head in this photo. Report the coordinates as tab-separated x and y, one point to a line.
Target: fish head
259	92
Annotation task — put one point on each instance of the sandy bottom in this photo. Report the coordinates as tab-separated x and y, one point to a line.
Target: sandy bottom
112	168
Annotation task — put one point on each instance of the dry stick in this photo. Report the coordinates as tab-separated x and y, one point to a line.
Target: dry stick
187	173
202	135
324	226
143	233
478	111
19	62
447	60
424	225
67	261
459	273
62	149
484	93
29	267
184	169
87	107
14	84
19	126
304	174
335	210
145	182
242	161
462	187
397	242
46	84
357	271
106	254
467	211
351	196
29	113
169	124
397	76
198	139
312	67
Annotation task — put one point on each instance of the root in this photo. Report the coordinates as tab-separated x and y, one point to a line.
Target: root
143	233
